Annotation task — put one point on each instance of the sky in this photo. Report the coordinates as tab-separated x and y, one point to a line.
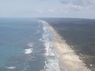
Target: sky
48	8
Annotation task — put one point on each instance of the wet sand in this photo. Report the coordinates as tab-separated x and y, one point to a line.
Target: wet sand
67	56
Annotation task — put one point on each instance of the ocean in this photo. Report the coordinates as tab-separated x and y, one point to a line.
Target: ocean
25	45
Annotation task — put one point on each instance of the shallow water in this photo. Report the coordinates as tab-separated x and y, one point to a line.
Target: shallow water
25	45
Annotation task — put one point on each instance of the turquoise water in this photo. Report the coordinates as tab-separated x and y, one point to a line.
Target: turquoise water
14	34
25	45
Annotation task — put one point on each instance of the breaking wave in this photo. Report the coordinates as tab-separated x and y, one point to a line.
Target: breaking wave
51	63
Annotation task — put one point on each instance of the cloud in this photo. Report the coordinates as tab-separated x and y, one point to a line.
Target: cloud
51	10
76	8
38	11
72	8
79	2
64	11
77	5
61	10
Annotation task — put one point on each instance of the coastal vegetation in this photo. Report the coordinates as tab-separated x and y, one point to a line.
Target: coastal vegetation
79	34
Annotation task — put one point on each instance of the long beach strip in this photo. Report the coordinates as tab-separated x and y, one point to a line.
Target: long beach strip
67	56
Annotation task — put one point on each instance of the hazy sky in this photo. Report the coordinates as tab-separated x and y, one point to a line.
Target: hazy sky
48	8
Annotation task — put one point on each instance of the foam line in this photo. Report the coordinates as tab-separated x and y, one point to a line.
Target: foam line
51	63
11	67
28	51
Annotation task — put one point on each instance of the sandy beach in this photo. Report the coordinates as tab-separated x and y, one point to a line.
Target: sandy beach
67	56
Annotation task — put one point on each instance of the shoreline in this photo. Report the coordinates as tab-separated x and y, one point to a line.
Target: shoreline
67	56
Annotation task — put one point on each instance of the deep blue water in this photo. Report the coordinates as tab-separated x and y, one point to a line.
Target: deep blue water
25	45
